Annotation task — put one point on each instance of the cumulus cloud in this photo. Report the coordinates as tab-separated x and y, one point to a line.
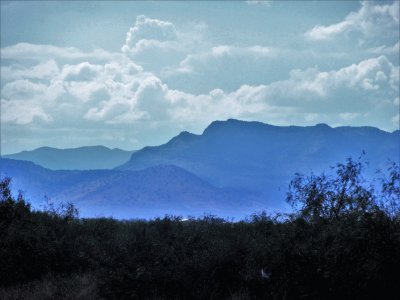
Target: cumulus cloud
81	72
27	51
388	50
156	44
230	66
370	20
147	29
370	74
24	102
64	90
22	90
153	43
226	67
46	70
304	91
259	2
123	93
14	112
231	52
143	100
227	56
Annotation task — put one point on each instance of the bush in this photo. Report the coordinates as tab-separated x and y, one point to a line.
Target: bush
343	242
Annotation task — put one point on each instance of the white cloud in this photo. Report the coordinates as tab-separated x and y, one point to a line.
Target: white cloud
204	108
93	91
142	101
81	72
395	49
223	55
45	70
126	93
153	43
259	2
396	119
157	44
14	112
312	86
26	51
123	93
226	67
22	90
304	91
327	32
146	29
370	20
347	116
370	74
232	51
122	71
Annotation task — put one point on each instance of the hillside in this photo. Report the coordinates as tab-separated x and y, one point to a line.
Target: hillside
154	191
233	168
262	157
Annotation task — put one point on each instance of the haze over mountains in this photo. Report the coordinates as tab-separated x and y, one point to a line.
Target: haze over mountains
154	191
83	158
263	158
233	169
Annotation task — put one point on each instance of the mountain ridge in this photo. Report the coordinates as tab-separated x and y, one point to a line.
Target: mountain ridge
155	191
233	168
81	158
251	155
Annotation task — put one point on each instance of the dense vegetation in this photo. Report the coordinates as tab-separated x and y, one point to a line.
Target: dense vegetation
342	242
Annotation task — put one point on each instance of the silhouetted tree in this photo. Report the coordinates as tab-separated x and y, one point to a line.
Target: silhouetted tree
331	196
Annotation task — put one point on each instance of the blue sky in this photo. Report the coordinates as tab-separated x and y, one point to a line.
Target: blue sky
131	74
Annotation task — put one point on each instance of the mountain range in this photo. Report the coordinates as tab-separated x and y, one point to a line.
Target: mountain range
232	169
82	158
154	191
263	158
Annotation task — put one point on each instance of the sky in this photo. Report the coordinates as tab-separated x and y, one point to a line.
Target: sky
133	74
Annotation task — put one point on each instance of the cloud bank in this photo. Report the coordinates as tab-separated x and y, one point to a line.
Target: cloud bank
129	99
370	20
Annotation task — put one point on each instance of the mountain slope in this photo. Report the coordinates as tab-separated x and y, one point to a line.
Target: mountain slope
262	157
234	168
151	192
83	158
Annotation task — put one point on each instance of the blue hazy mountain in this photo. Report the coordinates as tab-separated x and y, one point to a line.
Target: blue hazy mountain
233	168
263	158
83	158
154	191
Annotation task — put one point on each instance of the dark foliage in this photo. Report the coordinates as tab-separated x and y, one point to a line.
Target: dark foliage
342	243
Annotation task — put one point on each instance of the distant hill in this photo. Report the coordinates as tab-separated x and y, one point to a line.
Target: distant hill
83	158
233	168
155	191
261	157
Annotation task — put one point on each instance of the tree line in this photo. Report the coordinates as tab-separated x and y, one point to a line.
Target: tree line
342	241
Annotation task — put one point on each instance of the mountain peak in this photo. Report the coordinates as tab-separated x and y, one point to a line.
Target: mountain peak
233	124
323	125
184	136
